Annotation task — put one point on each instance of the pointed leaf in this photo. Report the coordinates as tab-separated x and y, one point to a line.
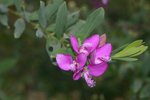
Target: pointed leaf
142	49
52	8
93	20
72	18
76	27
125	59
42	15
134	44
61	19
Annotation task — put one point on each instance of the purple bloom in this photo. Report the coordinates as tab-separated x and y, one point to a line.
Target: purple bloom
88	45
98	54
66	63
98	64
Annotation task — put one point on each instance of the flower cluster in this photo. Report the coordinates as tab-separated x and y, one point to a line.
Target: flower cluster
92	58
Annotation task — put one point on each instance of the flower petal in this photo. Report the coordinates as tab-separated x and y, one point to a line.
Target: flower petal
92	57
74	43
77	75
103	52
91	43
81	59
64	61
103	39
97	69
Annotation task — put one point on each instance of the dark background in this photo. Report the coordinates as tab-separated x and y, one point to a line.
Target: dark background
26	72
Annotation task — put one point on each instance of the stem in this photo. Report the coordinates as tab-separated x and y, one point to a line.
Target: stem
34	25
18	15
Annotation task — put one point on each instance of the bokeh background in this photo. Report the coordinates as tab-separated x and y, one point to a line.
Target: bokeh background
27	73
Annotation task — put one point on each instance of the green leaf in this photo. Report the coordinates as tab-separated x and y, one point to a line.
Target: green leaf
33	16
93	20
125	59
52	44
61	19
142	49
7	64
3	9
77	26
131	52
51	28
52	8
19	27
42	15
134	44
4	20
18	4
127	53
7	2
72	19
39	33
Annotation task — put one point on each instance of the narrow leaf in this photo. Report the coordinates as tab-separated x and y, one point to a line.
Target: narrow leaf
93	20
134	44
42	15
127	53
142	49
61	20
125	59
72	18
19	27
52	8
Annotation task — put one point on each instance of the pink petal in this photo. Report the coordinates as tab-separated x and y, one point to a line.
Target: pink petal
74	43
91	43
103	52
77	75
81	59
97	69
103	39
64	61
92	57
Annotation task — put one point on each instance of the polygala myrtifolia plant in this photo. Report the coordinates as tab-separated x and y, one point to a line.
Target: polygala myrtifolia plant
86	57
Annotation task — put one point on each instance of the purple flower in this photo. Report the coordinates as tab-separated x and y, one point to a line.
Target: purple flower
98	3
95	52
66	63
98	61
98	64
88	45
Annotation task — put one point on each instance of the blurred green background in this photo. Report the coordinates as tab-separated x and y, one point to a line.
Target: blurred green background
26	72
